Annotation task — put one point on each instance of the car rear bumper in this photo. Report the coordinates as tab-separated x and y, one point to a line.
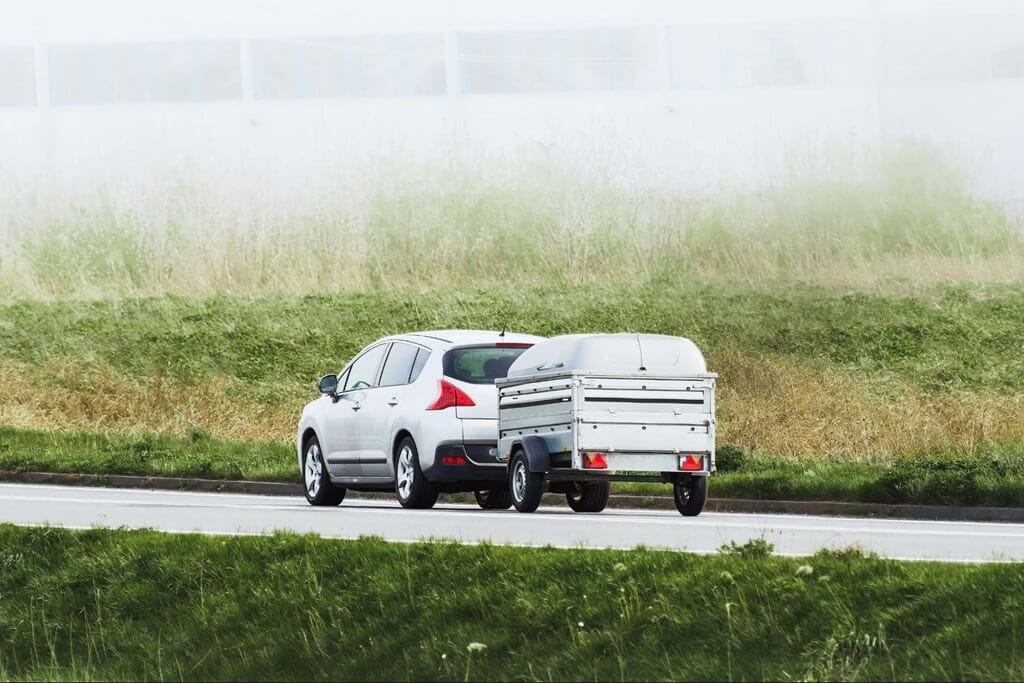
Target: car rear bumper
477	464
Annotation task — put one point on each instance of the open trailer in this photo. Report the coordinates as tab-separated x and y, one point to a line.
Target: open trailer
578	412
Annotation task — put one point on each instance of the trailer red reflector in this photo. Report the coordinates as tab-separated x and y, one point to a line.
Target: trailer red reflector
594	461
452	460
691	463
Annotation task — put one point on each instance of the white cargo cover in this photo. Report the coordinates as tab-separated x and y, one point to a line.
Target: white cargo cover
654	354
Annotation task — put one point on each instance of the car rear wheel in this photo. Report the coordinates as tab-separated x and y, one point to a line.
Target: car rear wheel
494	500
318	487
690	495
526	487
588	497
413	488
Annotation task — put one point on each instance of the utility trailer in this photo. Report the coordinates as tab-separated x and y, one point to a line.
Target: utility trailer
578	412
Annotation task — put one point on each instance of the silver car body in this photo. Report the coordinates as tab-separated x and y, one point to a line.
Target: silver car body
360	426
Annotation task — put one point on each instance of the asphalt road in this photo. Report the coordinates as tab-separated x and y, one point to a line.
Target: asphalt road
223	513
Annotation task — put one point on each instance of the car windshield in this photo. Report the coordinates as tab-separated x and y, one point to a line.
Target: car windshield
481	364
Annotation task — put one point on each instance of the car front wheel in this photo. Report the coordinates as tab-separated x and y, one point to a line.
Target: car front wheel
318	487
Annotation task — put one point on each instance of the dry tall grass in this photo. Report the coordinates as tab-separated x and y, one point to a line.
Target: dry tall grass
773	405
767	404
908	215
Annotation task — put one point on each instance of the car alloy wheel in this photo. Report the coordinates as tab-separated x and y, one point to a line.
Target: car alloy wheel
406	473
313	470
319	488
413	488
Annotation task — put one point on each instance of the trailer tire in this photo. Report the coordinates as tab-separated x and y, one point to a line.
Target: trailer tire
526	487
690	495
588	497
500	499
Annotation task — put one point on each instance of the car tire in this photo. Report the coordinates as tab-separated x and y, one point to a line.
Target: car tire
412	487
690	494
317	485
500	499
588	497
525	487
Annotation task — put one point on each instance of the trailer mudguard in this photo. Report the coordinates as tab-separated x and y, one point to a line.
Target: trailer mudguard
536	452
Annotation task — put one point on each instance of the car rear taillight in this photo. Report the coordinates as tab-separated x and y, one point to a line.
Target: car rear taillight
691	463
594	461
450	396
452	460
513	345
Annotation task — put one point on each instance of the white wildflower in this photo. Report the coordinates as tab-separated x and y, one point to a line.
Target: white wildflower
804	570
476	647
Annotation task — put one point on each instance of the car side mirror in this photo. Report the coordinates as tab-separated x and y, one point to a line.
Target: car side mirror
328	385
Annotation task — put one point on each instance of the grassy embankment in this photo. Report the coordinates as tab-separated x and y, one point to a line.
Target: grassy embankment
112	605
829	396
856	324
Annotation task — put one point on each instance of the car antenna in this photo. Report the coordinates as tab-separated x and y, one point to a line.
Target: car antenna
504	326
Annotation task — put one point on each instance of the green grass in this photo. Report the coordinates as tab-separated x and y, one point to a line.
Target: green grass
993	476
197	455
945	337
115	605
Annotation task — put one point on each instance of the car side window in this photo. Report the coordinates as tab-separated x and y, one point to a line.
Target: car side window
398	365
362	374
417	366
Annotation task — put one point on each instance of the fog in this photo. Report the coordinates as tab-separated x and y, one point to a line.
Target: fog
696	95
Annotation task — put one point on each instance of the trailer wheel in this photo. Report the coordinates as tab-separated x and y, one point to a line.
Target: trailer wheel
690	494
527	487
588	497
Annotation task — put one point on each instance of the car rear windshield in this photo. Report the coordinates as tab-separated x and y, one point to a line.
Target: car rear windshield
481	364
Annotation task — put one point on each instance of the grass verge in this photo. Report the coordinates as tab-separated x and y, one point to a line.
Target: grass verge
113	605
990	476
803	371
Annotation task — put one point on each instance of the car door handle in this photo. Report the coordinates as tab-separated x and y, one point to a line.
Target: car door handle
356	406
393	401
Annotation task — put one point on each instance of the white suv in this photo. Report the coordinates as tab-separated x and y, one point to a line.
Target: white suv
416	413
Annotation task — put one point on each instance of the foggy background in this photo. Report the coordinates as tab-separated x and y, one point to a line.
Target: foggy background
695	94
